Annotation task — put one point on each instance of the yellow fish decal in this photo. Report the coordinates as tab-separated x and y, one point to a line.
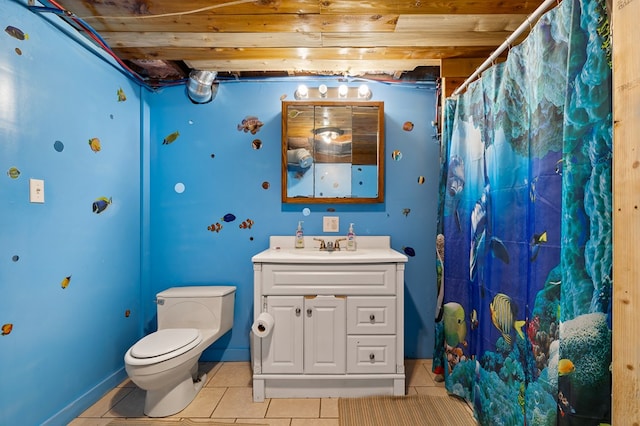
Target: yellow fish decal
121	96
171	138
503	318
6	329
94	144
65	282
565	366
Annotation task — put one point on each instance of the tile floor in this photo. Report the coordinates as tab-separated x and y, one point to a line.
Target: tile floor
227	397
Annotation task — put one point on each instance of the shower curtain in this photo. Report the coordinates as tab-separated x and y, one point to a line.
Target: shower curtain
524	254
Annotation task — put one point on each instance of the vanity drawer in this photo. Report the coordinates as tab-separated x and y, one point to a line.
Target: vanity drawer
371	354
371	315
328	279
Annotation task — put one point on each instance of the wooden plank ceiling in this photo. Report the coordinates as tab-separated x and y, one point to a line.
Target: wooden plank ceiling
164	39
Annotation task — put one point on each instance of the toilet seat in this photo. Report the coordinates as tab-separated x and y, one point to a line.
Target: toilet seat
169	341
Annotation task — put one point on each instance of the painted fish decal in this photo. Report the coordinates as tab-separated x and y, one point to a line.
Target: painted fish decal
6	329
16	33
229	217
13	173
121	96
250	124
503	317
95	145
171	138
214	227
65	282
246	224
409	251
101	204
407	126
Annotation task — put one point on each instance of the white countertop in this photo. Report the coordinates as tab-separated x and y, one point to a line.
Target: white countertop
370	249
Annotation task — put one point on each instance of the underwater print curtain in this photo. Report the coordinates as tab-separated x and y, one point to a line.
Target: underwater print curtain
524	246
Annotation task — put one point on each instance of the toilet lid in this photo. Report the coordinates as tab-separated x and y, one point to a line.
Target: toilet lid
165	341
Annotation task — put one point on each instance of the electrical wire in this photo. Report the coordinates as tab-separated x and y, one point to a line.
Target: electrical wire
97	39
164	15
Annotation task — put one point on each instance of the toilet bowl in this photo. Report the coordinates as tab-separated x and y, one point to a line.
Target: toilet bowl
165	363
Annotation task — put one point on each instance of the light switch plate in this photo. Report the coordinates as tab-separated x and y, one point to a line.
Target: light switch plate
330	224
36	190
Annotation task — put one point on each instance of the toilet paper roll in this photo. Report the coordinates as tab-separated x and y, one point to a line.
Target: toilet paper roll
263	325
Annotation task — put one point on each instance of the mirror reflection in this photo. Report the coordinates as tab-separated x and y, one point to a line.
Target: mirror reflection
332	152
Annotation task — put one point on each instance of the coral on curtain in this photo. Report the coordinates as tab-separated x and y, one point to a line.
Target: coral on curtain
524	330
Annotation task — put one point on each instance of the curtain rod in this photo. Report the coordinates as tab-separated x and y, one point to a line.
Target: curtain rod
531	19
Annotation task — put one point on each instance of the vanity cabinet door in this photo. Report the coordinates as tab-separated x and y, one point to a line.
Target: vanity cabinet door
325	335
282	349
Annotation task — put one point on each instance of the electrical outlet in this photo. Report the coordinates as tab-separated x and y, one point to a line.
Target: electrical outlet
36	190
330	224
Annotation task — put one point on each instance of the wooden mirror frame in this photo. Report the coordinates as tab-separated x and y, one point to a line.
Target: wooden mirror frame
333	200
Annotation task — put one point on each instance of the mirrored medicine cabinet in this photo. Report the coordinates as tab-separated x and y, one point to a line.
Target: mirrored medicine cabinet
332	152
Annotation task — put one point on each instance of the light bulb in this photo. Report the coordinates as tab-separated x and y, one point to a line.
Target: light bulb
302	92
343	90
364	92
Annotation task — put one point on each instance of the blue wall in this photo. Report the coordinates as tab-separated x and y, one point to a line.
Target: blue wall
223	173
66	344
65	348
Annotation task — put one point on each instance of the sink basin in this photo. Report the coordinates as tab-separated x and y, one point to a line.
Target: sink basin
282	252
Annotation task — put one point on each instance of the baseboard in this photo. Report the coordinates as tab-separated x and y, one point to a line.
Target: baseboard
85	401
214	354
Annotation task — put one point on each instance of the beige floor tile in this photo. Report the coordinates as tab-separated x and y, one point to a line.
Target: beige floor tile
232	374
106	403
416	374
210	368
203	404
294	407
238	403
132	405
329	407
315	422
269	422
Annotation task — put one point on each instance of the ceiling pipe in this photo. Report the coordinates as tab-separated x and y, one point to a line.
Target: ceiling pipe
201	88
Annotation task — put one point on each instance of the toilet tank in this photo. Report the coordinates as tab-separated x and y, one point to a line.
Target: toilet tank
201	307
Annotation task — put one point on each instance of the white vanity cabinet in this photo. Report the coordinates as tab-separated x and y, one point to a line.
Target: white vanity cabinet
338	320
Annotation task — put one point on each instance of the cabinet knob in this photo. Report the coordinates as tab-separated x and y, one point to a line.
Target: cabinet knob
298	310
372	318
372	356
309	312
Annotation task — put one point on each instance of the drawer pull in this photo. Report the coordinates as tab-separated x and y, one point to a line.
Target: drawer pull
372	318
309	312
372	356
298	310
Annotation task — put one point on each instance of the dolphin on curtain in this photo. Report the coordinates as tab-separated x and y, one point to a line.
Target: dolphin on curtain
481	231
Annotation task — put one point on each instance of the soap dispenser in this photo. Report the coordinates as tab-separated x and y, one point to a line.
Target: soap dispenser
351	239
299	236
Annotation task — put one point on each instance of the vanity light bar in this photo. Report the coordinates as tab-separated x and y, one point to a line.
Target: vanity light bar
342	92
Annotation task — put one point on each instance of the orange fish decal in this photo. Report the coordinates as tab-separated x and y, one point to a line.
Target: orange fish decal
6	329
246	224
214	227
65	282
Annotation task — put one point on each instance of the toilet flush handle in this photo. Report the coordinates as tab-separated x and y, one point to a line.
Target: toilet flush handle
160	301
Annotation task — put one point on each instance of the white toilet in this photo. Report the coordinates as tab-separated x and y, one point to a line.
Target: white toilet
165	363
